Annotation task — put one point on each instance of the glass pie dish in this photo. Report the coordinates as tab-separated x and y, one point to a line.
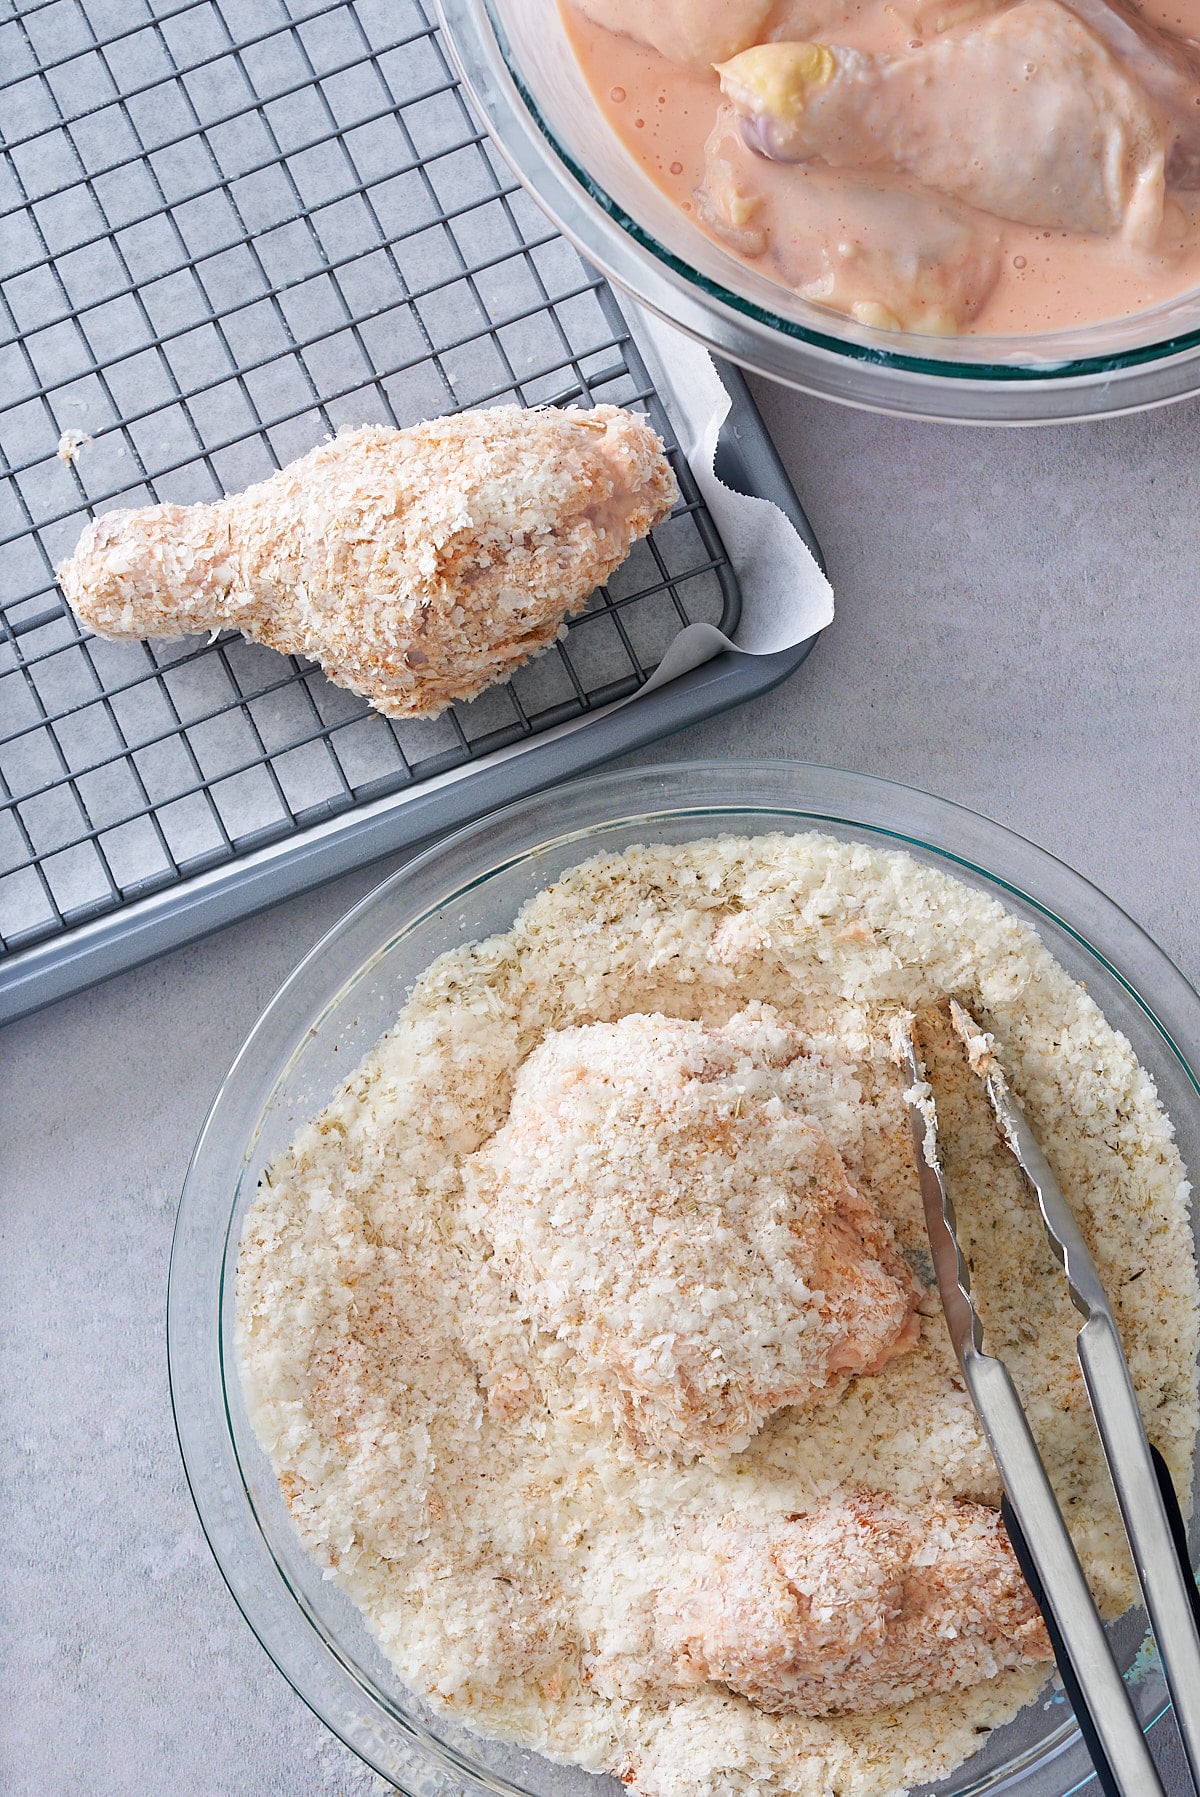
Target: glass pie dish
343	996
519	68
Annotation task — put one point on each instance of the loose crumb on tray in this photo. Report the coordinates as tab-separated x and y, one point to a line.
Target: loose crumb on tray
70	443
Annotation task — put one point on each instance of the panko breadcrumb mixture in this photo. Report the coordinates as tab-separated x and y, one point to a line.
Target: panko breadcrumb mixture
603	1480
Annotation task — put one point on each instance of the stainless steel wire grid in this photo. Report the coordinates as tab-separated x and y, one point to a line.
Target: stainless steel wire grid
228	227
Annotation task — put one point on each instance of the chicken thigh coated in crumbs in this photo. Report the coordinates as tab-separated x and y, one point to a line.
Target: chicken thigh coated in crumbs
416	566
661	1199
860	1605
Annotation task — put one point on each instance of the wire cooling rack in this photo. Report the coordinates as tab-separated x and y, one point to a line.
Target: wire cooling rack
228	227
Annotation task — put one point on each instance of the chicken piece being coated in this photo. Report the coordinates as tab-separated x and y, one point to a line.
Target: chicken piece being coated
862	1604
661	1200
869	248
416	566
1026	116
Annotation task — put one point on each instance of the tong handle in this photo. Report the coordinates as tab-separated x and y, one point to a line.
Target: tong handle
1149	1508
1105	1776
1153	1522
1083	1716
1097	1690
1178	1529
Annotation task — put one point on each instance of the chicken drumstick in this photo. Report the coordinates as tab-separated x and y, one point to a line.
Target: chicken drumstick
416	566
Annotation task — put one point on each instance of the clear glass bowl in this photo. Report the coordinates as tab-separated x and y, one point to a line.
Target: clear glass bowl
518	65
347	992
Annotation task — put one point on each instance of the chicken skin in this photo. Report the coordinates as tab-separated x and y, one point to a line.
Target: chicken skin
1166	66
416	566
862	1604
1026	116
661	1201
695	34
865	247
692	33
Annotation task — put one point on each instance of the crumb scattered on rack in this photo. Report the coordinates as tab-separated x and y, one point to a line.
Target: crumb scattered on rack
71	442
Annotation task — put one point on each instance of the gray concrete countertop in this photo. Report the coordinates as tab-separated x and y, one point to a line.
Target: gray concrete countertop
1015	630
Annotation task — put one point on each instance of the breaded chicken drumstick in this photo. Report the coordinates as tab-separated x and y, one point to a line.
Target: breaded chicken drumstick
417	566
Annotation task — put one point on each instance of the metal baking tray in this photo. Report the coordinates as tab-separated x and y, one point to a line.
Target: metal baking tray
229	228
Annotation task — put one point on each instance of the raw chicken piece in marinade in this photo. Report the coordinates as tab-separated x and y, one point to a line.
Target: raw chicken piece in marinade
1026	116
1168	67
870	248
1165	64
695	34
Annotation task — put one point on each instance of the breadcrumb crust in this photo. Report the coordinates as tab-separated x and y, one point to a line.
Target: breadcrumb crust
858	1606
659	1200
416	566
509	1556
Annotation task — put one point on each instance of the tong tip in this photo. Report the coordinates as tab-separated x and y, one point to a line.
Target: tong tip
906	1050
979	1043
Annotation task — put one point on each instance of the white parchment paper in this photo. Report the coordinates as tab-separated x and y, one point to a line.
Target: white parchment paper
785	596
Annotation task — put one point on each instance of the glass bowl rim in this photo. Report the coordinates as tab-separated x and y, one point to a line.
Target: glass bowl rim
823	797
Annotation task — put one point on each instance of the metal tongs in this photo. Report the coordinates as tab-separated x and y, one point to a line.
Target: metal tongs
1149	1507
